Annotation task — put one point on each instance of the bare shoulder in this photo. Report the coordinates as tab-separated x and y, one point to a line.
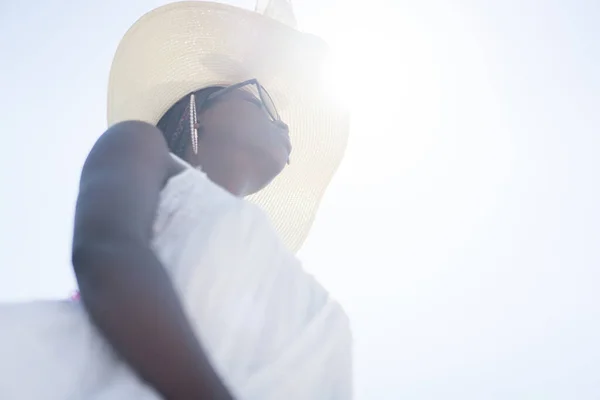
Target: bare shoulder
121	183
133	146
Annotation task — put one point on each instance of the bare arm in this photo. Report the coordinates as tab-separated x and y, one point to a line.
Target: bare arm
124	287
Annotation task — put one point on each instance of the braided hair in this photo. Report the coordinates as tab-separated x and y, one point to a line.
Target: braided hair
175	123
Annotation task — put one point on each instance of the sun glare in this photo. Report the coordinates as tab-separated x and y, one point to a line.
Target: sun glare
383	70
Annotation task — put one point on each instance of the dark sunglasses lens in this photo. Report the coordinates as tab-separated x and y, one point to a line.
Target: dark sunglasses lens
269	104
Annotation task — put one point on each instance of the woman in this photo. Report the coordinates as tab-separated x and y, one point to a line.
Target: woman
188	291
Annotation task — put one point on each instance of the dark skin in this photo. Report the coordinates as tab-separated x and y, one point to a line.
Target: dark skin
124	288
240	148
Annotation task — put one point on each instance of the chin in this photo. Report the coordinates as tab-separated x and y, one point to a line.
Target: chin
269	167
279	162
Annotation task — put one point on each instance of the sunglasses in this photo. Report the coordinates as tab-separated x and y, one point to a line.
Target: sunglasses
268	105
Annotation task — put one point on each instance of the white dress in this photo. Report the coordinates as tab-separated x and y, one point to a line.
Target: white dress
271	331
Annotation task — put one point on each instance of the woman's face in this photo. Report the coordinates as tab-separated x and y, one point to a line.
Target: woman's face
236	134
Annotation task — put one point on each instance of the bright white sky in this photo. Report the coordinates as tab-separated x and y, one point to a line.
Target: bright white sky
462	232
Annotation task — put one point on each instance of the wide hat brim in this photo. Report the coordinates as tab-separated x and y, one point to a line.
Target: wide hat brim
186	46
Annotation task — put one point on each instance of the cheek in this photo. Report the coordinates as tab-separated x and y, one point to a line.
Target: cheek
244	122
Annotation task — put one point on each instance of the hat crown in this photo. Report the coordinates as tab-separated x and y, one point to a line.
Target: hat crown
280	10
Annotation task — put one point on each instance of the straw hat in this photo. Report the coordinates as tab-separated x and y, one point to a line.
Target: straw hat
186	46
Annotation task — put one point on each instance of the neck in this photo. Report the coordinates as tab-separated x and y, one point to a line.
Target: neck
228	180
223	168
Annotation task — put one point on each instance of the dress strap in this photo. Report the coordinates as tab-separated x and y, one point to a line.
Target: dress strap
181	162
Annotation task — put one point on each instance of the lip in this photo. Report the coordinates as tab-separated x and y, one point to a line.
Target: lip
288	143
284	137
283	134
